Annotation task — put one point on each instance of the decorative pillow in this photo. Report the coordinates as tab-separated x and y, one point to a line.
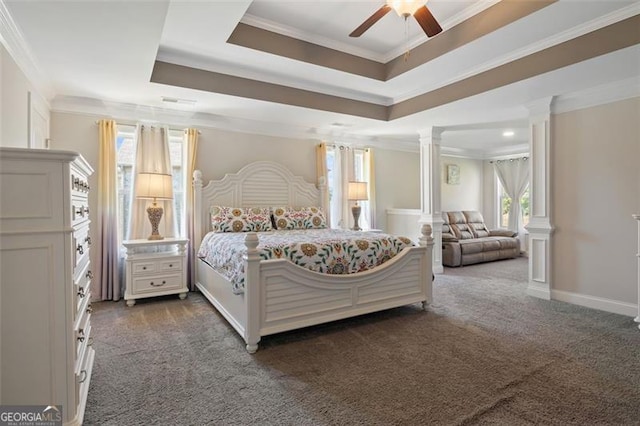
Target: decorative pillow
240	219
299	218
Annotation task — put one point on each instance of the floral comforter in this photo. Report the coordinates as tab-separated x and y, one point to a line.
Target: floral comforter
329	251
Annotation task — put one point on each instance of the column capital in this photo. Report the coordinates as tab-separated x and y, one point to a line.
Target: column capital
540	106
431	134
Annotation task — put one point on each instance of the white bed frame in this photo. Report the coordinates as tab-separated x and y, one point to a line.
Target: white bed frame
280	295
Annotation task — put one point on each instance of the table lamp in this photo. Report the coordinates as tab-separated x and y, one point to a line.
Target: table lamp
155	186
357	192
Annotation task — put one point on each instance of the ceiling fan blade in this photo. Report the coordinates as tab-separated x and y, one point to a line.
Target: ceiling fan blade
370	21
426	20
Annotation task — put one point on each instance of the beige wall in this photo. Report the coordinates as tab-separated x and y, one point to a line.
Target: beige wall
221	152
468	195
397	182
595	188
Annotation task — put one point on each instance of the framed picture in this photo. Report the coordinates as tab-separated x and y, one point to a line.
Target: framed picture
453	174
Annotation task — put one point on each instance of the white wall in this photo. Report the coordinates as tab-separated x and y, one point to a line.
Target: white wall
595	189
468	195
15	87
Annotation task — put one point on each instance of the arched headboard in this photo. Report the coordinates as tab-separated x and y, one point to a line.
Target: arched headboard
258	184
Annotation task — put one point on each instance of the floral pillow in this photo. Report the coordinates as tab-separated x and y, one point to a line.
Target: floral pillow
240	219
299	218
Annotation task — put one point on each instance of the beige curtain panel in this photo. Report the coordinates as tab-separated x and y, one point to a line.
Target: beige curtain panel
106	265
322	173
190	140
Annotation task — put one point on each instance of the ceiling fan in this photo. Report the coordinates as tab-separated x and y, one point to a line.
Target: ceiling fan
404	8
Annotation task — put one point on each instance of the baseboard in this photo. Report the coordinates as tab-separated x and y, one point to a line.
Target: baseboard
602	304
539	291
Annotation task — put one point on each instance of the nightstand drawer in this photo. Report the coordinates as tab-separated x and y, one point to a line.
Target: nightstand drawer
138	268
156	283
169	265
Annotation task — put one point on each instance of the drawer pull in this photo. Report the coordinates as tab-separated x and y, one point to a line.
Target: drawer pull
90	341
89	309
83	376
89	275
80	249
144	268
88	239
171	265
78	211
158	285
86	210
81	292
81	335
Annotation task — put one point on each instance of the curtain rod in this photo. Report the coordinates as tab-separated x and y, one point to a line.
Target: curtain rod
134	125
347	147
509	159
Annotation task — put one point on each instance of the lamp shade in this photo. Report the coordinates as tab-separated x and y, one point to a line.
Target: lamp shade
154	185
358	191
406	7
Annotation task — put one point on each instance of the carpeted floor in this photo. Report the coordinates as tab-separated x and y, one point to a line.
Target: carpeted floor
485	353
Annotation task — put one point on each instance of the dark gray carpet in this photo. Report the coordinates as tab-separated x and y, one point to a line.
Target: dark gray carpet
485	353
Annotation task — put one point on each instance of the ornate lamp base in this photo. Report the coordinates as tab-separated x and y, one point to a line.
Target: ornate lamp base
155	214
355	210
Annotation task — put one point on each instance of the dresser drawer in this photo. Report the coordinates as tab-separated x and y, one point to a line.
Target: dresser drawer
79	184
81	243
83	338
79	210
81	290
156	283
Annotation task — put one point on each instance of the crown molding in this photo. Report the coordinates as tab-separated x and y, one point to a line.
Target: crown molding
132	113
509	151
296	33
19	49
456	19
577	31
599	95
182	58
266	24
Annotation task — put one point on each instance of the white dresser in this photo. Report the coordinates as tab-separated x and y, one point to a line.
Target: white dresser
45	274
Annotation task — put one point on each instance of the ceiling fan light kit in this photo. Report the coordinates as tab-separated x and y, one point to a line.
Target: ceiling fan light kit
405	7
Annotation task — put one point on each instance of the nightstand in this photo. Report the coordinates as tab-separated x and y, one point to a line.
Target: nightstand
155	268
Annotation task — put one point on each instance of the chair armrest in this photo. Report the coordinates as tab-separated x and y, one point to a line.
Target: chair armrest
448	238
502	233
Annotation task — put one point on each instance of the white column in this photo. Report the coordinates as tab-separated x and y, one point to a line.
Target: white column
637	217
540	226
430	178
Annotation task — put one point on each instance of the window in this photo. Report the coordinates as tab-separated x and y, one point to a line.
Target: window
338	157
126	157
504	207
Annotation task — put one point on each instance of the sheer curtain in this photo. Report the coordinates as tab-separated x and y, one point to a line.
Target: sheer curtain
190	140
368	216
344	164
514	177
152	156
106	265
